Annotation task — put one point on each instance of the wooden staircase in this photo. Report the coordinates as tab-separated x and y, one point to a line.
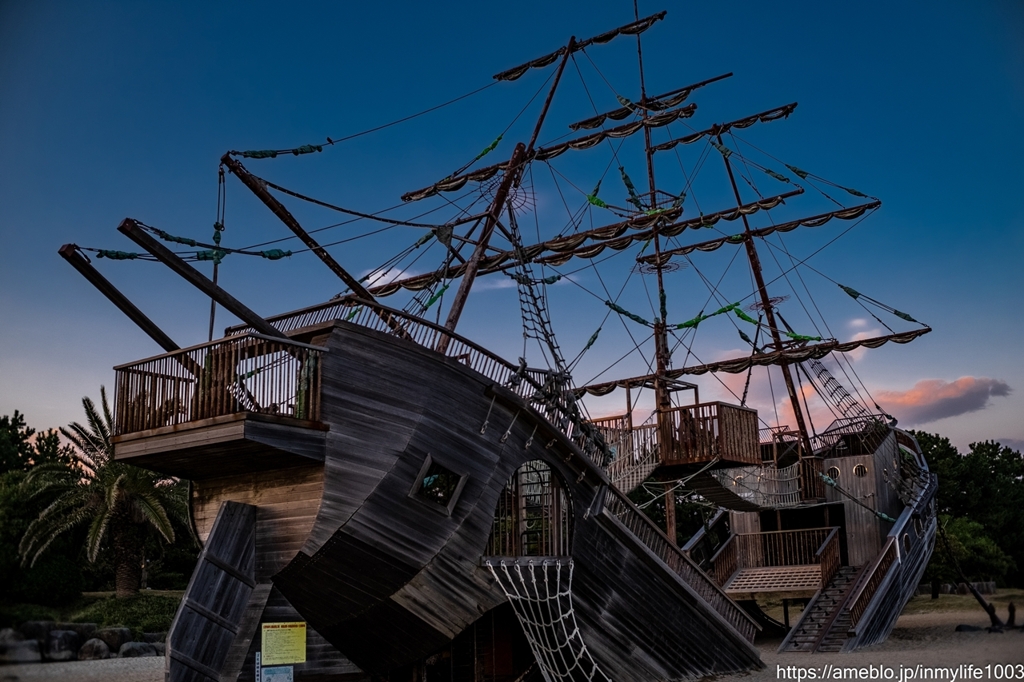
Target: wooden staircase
826	620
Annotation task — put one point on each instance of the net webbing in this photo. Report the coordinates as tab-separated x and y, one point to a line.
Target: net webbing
544	609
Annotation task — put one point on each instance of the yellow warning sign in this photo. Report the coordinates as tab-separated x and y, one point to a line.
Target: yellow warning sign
283	643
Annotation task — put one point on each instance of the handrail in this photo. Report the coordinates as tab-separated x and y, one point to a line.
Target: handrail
870	580
250	373
655	539
828	557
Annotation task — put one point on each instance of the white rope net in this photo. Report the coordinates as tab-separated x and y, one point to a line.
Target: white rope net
763	486
540	592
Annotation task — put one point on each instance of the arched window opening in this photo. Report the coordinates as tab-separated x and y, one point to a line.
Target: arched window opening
533	516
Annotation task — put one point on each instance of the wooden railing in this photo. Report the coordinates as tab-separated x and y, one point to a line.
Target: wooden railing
700	433
535	386
868	584
779	548
619	506
246	373
828	557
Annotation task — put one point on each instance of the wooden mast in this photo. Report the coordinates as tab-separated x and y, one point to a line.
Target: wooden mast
512	177
662	353
755	266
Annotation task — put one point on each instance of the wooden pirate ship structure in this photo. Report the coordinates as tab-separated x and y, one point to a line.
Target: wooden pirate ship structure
432	510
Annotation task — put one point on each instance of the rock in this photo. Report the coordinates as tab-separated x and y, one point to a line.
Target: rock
62	645
26	651
136	649
114	637
94	650
10	635
967	628
962	589
38	630
85	630
160	647
154	637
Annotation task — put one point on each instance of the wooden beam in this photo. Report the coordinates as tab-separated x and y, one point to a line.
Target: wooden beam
71	254
134	231
278	209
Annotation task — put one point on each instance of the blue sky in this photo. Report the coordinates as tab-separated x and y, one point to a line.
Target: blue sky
114	109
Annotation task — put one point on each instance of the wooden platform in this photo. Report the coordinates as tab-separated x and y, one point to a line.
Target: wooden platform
221	446
781	582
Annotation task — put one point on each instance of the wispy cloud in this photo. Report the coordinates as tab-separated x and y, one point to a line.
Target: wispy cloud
933	399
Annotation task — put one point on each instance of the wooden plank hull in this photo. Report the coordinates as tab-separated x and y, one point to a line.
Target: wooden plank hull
390	578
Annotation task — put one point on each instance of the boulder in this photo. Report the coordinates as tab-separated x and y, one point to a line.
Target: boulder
136	649
154	637
85	630
114	637
94	650
26	651
10	635
38	630
62	645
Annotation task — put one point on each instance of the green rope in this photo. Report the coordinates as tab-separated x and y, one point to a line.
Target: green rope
215	255
634	198
801	337
700	318
725	151
593	339
433	299
526	281
275	254
260	154
489	149
664	313
168	237
802	174
851	291
626	313
855	192
829	481
355	311
307	149
904	316
116	255
743	316
745	337
423	240
777	176
625	102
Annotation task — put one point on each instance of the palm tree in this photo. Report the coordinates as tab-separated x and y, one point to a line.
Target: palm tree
120	503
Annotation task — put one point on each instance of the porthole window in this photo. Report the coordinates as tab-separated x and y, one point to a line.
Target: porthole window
906	542
860	471
438	484
833	473
533	516
918	527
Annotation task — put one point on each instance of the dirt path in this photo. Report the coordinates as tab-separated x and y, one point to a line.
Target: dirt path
928	639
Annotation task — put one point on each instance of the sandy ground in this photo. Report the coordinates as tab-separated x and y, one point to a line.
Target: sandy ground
922	636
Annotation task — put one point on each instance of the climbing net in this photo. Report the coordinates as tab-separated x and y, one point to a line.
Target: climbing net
763	486
544	609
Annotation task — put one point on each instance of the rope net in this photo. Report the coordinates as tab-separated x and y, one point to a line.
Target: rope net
543	605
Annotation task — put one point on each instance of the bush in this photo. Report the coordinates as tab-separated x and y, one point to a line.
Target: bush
16	614
143	612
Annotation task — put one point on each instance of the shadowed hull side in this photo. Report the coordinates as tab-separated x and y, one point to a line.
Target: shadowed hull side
390	578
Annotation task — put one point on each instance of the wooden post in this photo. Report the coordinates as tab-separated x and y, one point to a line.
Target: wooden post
670	512
134	231
70	253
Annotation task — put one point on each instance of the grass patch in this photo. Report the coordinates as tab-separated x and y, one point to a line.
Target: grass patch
148	611
965	602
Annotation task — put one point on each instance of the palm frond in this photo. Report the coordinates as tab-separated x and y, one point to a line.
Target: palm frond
153	511
97	531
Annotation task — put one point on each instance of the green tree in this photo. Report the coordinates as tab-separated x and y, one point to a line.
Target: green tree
119	503
985	486
21	448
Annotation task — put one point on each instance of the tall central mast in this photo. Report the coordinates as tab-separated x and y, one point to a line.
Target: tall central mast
766	304
513	176
662	353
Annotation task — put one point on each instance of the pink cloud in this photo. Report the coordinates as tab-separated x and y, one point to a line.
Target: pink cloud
933	399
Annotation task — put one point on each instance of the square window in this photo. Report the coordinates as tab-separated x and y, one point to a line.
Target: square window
438	484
